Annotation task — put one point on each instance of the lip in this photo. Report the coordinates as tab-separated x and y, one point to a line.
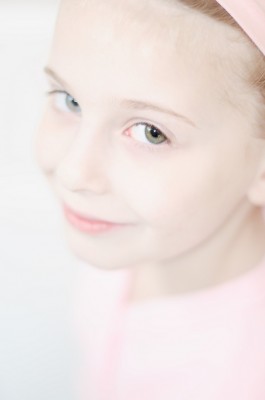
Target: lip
87	223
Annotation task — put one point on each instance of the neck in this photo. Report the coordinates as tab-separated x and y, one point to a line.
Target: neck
236	248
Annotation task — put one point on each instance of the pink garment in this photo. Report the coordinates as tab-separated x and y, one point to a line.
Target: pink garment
209	345
250	15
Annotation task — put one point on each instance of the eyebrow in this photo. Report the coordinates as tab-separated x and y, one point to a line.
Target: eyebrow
134	104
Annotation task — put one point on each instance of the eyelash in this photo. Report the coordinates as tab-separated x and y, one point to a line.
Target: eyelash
153	148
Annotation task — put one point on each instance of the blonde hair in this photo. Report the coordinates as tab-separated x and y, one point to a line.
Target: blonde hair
256	76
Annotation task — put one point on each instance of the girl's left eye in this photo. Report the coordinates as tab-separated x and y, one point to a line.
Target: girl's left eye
65	102
148	134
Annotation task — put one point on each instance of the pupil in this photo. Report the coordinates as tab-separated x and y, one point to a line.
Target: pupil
154	132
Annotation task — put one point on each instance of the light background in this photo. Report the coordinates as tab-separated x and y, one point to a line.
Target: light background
37	358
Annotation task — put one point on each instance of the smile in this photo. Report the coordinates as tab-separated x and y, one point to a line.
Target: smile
88	224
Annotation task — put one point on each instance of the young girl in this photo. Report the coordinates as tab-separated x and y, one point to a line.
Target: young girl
153	141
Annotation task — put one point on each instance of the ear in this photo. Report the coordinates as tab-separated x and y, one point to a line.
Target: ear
256	192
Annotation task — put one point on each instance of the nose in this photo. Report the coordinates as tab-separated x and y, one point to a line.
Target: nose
83	166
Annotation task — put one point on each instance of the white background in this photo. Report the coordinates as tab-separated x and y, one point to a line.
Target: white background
36	270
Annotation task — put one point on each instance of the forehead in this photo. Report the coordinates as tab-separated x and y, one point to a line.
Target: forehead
108	44
142	26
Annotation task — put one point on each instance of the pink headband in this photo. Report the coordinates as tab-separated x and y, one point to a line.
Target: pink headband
250	15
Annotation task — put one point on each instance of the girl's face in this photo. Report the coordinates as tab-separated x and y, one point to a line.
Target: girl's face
140	129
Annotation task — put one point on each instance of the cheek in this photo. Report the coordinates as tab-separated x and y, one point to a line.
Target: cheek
184	193
52	141
162	190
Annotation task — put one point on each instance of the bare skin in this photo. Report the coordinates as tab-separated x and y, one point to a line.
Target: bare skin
192	202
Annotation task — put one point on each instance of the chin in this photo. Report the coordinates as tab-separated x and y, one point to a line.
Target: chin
104	252
92	255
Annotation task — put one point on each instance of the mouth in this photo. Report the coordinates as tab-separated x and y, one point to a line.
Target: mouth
87	223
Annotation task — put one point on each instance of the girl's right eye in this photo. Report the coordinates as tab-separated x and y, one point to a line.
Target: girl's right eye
64	101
